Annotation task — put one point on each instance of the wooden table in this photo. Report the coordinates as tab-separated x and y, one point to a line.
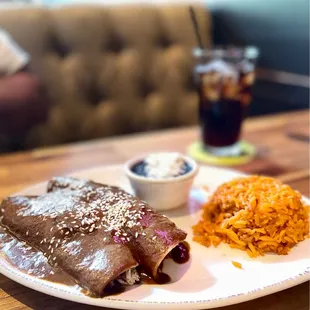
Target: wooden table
281	153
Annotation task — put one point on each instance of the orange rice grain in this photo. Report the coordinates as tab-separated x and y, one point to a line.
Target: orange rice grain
256	214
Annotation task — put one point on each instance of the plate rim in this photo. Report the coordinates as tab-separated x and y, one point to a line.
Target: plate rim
22	279
51	289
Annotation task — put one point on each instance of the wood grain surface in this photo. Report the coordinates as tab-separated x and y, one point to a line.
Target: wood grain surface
280	154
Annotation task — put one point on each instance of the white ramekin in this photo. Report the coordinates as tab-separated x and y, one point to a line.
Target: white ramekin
162	194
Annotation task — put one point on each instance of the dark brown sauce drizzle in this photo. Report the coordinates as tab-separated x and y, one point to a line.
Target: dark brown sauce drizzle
161	278
180	254
59	277
16	255
114	288
29	260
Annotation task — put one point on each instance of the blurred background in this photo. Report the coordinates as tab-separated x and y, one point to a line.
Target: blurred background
94	69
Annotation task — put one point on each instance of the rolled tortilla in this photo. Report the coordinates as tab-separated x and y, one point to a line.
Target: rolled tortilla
153	236
93	232
93	259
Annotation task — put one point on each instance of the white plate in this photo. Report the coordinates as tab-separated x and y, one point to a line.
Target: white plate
208	280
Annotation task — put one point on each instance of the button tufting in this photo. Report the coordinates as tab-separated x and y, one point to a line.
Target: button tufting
145	88
113	70
59	47
164	42
115	44
95	95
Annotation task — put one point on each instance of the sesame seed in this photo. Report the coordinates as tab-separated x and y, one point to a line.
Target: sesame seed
2	210
54	258
27	233
106	209
154	238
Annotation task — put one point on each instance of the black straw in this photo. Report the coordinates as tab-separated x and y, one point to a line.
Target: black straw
195	24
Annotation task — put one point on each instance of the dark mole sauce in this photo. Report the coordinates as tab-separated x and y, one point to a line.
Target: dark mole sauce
114	288
161	278
29	260
180	254
32	262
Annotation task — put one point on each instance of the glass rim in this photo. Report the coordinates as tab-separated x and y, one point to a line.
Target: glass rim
250	52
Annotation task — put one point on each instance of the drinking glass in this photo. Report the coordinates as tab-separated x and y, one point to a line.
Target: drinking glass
224	78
